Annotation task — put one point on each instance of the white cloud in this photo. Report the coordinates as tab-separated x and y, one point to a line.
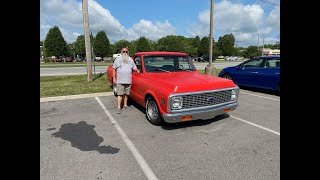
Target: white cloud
273	19
245	22
69	36
150	30
68	15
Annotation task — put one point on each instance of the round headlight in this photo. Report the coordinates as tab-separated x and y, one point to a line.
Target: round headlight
177	102
234	94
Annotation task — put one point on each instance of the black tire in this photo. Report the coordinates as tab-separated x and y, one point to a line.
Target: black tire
152	112
227	76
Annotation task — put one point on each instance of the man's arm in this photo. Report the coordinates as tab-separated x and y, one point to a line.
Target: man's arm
114	70
136	70
114	76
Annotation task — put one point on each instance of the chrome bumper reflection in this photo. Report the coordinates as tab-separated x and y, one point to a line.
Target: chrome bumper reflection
207	113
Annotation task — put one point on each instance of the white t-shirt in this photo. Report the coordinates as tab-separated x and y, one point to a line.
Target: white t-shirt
124	70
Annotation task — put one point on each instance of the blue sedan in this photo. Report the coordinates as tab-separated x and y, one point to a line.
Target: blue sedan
259	72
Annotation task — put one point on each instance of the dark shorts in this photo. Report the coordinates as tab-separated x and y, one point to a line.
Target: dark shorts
123	89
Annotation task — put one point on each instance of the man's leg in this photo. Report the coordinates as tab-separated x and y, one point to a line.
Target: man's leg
127	93
121	92
125	101
119	101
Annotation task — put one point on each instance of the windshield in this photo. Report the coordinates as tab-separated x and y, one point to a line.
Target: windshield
168	63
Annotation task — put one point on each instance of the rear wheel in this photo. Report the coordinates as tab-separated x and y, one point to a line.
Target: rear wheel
152	112
227	76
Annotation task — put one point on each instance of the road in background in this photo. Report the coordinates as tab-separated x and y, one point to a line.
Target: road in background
102	69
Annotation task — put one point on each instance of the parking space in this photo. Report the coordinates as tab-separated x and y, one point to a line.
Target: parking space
87	139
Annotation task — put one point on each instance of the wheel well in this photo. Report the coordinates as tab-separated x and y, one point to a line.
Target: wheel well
225	74
146	97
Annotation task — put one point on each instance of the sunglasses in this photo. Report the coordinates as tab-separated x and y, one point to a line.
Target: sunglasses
124	51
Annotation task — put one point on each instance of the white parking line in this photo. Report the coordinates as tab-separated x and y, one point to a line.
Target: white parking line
267	129
143	164
260	96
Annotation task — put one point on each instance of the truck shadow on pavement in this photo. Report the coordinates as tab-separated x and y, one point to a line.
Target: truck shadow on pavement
173	126
187	124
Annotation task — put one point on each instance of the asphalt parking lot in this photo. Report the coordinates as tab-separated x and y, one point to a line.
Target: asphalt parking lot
86	139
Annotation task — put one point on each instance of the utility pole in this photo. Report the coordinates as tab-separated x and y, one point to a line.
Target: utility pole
87	39
43	49
209	69
262	46
258	40
94	57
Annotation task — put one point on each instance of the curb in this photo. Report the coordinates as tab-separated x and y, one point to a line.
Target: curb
78	96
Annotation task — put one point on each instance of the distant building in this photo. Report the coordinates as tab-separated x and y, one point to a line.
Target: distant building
270	52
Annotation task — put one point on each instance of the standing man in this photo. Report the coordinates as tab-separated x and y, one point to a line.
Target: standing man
122	77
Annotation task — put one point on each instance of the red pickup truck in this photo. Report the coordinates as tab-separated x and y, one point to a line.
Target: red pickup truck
170	89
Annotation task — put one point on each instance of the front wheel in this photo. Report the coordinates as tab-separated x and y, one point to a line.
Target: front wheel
152	112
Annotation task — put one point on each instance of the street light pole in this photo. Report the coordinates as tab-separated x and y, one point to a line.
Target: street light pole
262	46
87	39
210	69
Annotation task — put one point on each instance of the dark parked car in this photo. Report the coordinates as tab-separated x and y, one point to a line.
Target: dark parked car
203	58
259	72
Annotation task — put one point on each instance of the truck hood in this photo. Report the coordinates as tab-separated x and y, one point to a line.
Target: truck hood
180	82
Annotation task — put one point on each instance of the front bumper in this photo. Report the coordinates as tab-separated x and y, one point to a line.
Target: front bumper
207	113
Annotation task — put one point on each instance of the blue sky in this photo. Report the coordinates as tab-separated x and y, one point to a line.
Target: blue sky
153	19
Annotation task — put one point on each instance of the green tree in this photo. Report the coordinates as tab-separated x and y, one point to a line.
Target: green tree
196	42
121	44
171	43
204	46
251	51
272	46
101	45
72	51
215	51
79	46
143	45
226	45
55	44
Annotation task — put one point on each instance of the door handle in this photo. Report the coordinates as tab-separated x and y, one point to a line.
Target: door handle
254	72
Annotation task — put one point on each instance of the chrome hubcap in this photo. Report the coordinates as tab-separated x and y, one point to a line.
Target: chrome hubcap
152	110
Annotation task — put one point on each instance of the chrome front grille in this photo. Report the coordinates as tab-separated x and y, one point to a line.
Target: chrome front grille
206	99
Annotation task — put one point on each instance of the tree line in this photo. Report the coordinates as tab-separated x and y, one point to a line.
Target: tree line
55	45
